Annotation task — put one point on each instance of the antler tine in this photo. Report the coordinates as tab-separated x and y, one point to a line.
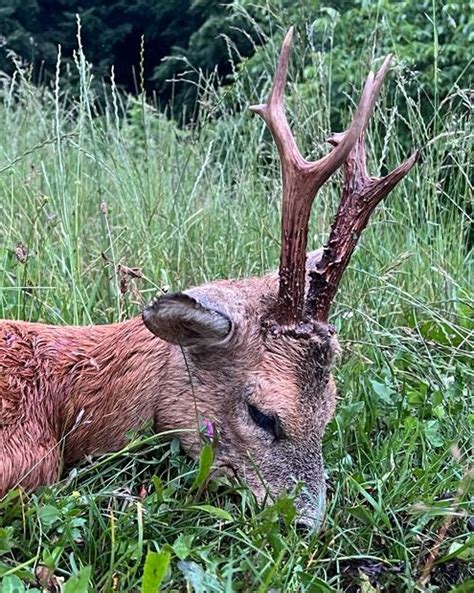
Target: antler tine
346	140
273	111
361	194
302	179
362	116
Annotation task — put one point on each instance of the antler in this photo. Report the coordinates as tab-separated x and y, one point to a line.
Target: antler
360	195
301	181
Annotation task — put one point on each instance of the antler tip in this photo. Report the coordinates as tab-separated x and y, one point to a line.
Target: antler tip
415	157
289	36
259	109
409	162
287	42
384	68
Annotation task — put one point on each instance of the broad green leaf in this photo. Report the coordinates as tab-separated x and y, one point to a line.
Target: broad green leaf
205	463
12	584
383	391
432	432
156	565
465	550
182	546
49	515
158	484
208	508
79	582
436	398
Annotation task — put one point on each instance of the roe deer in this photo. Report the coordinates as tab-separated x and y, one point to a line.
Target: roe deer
254	355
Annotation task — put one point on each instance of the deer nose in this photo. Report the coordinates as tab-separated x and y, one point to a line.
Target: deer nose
303	528
308	523
311	507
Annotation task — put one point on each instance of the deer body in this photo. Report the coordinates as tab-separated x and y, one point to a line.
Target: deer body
253	356
66	392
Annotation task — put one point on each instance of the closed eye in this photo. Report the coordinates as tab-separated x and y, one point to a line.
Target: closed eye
268	423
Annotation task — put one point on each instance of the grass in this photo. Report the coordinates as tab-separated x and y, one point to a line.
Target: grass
92	188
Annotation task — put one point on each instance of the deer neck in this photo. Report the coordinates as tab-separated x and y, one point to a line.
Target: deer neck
112	384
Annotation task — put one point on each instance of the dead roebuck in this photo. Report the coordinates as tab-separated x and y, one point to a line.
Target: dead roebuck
254	356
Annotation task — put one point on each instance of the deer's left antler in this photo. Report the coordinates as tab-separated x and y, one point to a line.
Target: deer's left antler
360	195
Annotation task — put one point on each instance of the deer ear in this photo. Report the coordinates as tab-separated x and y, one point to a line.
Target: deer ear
182	319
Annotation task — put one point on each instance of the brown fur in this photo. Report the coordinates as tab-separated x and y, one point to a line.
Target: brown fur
67	392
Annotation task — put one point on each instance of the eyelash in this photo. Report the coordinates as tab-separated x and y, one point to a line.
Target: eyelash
264	421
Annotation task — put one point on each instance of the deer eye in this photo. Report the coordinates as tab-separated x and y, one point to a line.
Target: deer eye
264	421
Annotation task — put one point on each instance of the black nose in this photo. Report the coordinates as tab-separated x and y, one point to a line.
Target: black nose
303	528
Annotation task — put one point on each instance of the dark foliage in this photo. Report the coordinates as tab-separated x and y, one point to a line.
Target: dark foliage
112	34
150	42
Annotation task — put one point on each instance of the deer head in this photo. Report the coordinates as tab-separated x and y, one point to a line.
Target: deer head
258	353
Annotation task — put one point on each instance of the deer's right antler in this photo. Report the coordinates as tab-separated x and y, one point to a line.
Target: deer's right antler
301	181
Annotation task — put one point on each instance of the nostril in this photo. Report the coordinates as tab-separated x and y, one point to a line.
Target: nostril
303	528
308	522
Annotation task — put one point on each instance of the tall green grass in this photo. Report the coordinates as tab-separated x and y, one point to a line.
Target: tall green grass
89	188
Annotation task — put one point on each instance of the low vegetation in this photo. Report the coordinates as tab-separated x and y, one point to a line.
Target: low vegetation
104	203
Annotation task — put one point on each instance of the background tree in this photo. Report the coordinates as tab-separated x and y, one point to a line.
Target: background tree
112	32
186	40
